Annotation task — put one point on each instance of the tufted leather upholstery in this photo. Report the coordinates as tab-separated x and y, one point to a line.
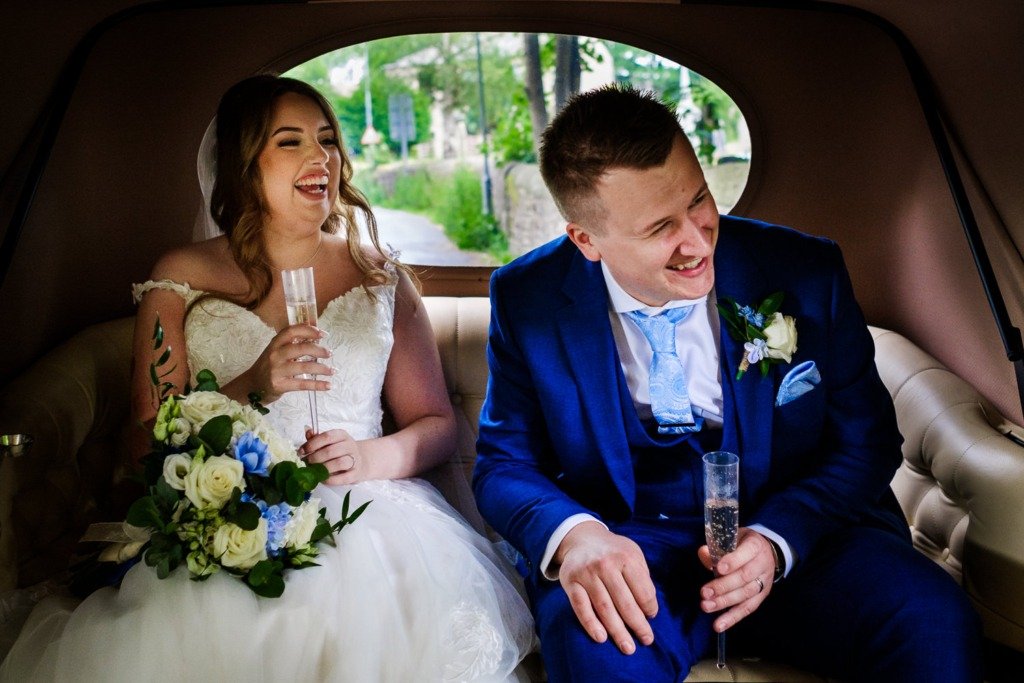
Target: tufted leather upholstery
961	485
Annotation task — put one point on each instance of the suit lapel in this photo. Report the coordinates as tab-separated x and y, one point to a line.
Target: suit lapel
748	402
586	336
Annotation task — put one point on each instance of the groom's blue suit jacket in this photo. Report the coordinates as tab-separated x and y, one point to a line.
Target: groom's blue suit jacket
552	440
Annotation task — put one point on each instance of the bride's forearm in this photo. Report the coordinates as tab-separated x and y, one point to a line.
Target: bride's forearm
240	388
409	452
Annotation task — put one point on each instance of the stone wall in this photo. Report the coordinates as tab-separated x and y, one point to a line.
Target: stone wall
529	217
527	213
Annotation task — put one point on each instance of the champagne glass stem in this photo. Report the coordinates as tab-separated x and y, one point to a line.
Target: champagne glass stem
721	650
313	412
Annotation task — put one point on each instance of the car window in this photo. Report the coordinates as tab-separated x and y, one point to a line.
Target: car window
443	131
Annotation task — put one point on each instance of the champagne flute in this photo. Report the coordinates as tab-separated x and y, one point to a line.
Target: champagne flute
721	513
300	300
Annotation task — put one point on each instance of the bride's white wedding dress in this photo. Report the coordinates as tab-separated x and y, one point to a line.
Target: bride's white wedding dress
410	593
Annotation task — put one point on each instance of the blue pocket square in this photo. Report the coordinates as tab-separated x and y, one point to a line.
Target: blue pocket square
798	382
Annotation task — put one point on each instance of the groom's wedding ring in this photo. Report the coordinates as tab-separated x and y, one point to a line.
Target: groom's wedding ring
760	583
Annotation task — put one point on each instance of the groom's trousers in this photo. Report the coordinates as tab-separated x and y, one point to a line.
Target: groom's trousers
863	606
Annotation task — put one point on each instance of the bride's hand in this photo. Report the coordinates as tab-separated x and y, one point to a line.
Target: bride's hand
338	452
278	368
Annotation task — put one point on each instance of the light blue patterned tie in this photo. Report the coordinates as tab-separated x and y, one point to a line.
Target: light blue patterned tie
669	401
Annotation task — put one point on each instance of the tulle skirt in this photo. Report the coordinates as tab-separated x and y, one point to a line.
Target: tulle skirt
410	593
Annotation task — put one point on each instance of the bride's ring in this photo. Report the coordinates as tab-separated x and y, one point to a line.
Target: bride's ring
351	459
760	583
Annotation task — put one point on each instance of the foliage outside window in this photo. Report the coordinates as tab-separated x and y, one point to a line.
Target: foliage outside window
524	79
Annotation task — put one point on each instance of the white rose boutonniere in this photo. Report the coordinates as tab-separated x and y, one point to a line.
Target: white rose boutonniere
780	337
768	336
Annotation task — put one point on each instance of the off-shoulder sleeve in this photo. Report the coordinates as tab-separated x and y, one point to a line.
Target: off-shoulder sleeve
183	290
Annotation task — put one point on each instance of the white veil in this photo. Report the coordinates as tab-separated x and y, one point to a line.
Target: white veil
206	168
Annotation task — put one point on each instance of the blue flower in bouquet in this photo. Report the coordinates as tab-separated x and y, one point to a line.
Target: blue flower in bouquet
277	517
253	453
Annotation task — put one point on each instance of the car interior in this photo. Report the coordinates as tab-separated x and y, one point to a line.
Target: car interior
889	126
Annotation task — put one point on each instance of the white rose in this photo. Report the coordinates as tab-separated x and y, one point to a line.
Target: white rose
300	527
281	450
175	468
236	547
781	337
209	484
246	420
200	406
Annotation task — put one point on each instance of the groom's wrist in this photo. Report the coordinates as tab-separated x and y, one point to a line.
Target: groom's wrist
548	564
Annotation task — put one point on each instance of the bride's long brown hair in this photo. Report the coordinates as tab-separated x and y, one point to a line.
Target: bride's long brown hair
237	203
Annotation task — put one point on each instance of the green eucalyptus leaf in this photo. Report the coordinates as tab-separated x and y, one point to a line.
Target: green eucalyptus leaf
270	495
216	433
771	304
145	513
163	568
166	494
306	479
152	375
164	357
318	470
273	587
245	516
152	557
265	578
281	473
294	493
260	572
206	381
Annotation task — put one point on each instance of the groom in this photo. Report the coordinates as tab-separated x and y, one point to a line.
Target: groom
613	371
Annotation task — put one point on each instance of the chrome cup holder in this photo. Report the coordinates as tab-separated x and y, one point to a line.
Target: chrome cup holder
15	445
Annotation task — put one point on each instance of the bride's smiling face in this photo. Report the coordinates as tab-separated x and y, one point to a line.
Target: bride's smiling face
300	163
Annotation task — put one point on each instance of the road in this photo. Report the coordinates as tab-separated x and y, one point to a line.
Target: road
422	242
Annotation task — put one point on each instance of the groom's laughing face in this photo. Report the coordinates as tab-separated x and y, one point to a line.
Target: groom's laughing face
654	228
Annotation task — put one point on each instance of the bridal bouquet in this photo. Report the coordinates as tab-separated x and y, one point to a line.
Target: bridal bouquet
227	492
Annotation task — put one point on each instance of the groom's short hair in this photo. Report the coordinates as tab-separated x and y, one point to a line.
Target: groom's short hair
614	126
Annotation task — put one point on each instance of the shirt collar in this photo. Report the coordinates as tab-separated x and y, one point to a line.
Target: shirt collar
623	302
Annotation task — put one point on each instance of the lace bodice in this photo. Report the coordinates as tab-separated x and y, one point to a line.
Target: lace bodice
227	339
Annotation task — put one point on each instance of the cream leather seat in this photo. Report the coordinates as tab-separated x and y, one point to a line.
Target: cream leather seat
961	484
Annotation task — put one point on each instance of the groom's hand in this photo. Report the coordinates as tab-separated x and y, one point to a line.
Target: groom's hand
744	579
609	585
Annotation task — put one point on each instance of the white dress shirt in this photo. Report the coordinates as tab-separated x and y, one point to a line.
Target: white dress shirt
697	345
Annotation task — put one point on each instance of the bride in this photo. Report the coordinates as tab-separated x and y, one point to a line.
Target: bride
411	592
